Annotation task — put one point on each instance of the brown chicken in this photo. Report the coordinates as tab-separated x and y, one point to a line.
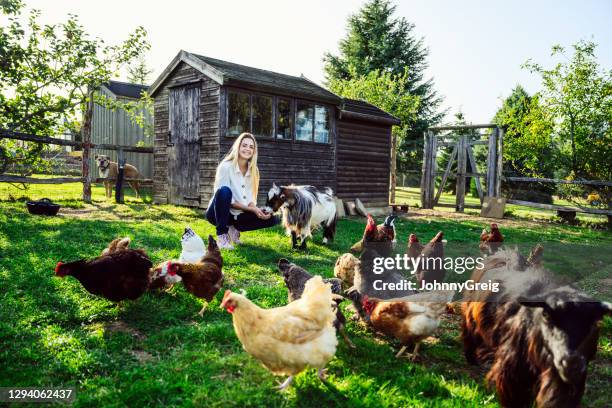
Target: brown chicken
202	279
414	246
382	237
410	319
431	267
291	338
119	275
491	241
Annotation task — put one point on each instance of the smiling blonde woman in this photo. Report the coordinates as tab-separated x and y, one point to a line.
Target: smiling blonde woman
233	207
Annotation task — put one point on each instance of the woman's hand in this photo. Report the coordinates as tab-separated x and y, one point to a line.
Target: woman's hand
259	213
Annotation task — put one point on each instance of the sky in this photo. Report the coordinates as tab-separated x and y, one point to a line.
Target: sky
476	48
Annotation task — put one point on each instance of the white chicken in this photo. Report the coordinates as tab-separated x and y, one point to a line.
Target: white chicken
193	247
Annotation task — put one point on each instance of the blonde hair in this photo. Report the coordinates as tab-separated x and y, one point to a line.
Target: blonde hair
233	155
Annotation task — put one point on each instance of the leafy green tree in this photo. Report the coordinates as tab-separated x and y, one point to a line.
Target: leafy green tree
577	95
378	41
49	72
529	149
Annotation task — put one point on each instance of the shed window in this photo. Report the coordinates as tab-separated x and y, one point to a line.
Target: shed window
262	115
321	131
238	113
283	119
304	121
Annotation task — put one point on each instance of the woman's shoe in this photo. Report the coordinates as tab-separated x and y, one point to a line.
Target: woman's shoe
224	241
234	235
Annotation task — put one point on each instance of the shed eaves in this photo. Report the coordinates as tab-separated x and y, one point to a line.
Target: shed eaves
365	109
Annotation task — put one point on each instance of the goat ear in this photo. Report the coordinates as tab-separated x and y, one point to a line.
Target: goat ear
274	185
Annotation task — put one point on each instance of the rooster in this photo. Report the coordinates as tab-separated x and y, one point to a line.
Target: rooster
383	234
410	319
202	279
295	280
491	241
291	338
193	246
118	275
414	246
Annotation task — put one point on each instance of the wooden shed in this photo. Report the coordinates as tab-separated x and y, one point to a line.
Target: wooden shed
305	134
115	127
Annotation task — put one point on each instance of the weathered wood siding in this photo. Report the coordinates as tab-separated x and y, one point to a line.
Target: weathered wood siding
208	121
364	151
289	161
115	127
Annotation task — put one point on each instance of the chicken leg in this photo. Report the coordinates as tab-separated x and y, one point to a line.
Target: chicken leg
285	384
399	353
201	312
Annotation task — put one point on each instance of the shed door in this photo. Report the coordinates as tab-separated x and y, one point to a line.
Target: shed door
184	146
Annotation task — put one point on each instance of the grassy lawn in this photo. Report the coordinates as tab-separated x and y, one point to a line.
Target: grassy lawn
156	351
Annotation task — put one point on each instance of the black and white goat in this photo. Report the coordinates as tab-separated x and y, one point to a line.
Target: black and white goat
304	208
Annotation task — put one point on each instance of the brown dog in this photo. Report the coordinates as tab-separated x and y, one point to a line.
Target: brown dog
109	170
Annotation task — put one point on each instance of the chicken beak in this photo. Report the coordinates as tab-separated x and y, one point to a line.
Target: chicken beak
225	298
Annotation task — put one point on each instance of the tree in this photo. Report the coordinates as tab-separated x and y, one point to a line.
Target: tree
49	73
386	91
529	149
139	72
377	41
577	95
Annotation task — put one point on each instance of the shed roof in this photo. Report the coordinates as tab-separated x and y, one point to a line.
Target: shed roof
357	109
126	89
228	73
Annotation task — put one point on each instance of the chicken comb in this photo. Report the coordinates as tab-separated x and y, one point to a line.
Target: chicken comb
58	266
494	226
371	225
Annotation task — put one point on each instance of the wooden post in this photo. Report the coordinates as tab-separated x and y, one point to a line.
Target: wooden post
470	155
492	162
120	172
429	169
500	163
86	136
393	181
461	169
446	174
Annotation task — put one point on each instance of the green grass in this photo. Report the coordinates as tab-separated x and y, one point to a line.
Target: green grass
156	351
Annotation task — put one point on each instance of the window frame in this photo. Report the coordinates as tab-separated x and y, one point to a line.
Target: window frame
293	102
331	122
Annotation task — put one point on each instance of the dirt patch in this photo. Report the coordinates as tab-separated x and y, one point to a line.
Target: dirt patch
121	327
423	213
141	356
